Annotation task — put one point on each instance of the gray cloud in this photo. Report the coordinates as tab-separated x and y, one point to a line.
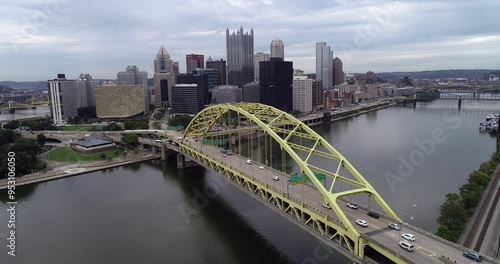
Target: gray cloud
40	38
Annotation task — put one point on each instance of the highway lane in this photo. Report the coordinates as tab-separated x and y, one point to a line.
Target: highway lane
427	250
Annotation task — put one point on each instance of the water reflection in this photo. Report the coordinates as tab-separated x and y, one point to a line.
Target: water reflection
23	193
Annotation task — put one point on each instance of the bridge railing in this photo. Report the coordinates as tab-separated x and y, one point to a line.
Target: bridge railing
392	251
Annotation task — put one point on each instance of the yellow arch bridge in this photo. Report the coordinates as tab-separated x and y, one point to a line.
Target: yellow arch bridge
33	102
253	137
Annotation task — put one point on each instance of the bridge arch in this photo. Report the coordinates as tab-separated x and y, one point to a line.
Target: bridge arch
275	122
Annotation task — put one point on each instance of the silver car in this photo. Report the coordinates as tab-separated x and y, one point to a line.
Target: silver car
394	226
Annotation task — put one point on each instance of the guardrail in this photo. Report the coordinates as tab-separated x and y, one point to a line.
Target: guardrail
369	239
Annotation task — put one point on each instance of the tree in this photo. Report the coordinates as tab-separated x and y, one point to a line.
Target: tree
76	120
130	140
453	215
103	156
444	232
158	116
70	120
156	125
180	120
112	127
137	124
14	124
41	139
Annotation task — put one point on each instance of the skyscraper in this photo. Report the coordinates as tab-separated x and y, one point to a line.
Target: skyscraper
201	80
257	58
194	61
338	74
324	67
276	77
132	76
302	94
187	99
66	96
175	67
277	49
163	78
239	49
89	87
220	65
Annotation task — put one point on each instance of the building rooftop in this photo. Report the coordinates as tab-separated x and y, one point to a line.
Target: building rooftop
94	141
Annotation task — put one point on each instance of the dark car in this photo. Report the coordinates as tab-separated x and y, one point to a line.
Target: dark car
473	255
374	214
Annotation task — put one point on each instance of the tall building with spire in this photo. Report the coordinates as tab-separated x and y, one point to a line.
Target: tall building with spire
324	64
239	48
277	49
163	79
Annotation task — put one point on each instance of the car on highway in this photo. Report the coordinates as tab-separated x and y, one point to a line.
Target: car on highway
327	206
261	167
248	162
395	226
352	205
276	178
408	237
405	245
373	214
473	255
362	223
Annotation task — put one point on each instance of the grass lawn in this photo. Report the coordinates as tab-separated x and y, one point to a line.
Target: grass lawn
66	154
78	128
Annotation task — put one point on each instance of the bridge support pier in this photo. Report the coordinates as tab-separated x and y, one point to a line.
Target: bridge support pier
181	161
163	152
460	102
153	149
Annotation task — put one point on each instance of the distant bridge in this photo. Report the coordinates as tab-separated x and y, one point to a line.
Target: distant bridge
31	104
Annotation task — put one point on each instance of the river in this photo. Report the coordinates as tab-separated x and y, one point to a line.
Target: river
153	213
40	111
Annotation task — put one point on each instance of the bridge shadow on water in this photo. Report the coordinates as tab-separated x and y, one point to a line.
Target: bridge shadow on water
245	243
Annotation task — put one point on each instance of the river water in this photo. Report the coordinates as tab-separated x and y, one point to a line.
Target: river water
153	213
40	111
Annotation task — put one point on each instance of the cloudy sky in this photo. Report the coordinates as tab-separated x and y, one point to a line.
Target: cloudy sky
40	38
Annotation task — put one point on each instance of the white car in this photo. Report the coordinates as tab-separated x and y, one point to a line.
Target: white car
276	178
327	206
249	161
352	205
405	245
179	138
408	237
362	223
261	167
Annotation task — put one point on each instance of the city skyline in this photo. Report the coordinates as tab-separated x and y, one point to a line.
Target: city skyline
40	39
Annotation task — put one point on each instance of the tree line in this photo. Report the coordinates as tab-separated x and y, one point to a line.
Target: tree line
459	207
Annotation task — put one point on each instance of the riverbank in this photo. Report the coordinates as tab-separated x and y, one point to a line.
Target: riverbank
73	169
482	230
